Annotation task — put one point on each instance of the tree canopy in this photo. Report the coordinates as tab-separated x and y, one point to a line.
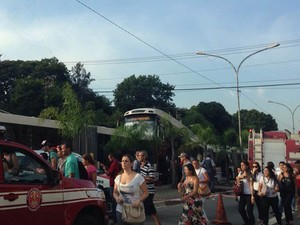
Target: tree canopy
30	72
215	114
72	117
143	91
253	119
39	84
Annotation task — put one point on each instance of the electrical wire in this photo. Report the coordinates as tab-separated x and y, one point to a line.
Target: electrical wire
149	45
224	87
210	70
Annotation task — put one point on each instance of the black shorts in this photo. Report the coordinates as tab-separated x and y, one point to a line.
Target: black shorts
149	205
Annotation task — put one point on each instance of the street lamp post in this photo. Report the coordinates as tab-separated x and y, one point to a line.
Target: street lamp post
237	70
292	112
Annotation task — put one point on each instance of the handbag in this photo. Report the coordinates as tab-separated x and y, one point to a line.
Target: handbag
238	188
204	190
132	214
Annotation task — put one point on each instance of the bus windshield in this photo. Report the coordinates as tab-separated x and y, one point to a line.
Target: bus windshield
148	121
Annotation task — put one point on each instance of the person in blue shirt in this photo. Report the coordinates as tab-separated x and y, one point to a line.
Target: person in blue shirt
71	165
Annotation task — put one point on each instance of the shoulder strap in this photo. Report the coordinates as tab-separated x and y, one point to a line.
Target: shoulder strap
119	183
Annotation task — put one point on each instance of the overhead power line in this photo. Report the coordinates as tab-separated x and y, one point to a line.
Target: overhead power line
151	59
144	42
241	87
225	87
210	70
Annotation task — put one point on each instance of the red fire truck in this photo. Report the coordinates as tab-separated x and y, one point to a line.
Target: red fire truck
31	192
274	146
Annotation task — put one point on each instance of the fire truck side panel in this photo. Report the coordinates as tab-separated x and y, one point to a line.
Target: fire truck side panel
293	151
20	209
274	146
274	151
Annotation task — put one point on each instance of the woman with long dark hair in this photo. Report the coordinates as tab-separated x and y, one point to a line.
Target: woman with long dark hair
287	193
130	187
270	197
192	212
257	174
90	166
247	198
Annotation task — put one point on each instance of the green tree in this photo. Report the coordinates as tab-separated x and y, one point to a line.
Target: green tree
206	136
27	96
215	114
143	91
174	137
81	79
72	117
129	139
229	139
192	117
253	119
13	71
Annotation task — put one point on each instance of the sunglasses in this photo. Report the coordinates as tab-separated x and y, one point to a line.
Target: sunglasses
255	166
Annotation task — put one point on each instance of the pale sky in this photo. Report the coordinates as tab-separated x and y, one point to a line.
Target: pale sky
116	39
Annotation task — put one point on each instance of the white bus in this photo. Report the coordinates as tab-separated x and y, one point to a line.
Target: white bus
151	117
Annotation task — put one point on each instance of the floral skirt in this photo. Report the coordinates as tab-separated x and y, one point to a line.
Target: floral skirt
192	213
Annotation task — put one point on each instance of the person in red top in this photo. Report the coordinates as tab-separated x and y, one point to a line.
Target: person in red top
113	170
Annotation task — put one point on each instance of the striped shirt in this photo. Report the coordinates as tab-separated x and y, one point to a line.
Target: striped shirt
148	170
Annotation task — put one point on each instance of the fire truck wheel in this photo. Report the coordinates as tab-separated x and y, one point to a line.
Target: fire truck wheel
85	218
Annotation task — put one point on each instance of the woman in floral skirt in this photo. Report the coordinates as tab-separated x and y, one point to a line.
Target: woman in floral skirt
192	213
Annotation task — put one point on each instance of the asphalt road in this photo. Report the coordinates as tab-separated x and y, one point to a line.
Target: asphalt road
170	214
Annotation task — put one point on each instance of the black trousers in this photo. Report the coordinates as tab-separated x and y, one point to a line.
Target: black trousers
266	203
287	205
149	205
247	216
258	205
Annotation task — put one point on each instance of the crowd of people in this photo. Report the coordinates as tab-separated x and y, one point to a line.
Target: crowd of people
132	180
268	187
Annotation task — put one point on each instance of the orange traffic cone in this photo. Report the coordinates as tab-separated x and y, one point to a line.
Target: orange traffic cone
221	217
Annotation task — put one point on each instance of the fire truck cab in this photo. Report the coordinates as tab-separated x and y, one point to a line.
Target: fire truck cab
31	192
274	146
